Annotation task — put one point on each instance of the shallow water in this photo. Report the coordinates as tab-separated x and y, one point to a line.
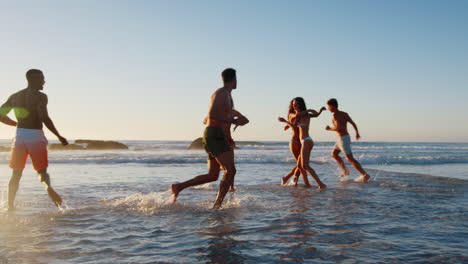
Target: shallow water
121	213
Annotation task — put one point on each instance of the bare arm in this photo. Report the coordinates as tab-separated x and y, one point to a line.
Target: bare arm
236	113
44	116
4	110
354	125
239	120
287	122
313	113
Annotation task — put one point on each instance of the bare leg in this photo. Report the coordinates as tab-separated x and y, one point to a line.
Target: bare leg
305	157
295	149
226	159
13	186
296	176
364	176
231	186
45	179
286	178
336	156
303	171
213	174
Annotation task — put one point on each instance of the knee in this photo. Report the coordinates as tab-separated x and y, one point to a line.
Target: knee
213	177
335	155
44	177
231	170
301	167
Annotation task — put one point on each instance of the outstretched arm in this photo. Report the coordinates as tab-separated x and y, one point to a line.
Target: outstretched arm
287	122
44	116
313	113
4	110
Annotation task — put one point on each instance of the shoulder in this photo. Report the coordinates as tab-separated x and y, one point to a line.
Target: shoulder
42	97
19	93
221	92
345	115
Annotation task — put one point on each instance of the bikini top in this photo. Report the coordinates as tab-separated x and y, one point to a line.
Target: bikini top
300	124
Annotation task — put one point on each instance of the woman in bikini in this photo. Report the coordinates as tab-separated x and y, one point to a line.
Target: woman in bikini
303	117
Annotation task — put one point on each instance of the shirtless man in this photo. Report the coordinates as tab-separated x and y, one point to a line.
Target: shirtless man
217	140
30	107
340	121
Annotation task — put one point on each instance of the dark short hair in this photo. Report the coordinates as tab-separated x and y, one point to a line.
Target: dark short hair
32	72
228	75
333	102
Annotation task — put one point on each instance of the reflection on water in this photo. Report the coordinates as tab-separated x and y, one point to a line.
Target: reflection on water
220	231
117	218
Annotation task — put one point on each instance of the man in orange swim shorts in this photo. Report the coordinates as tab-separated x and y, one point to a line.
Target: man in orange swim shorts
30	108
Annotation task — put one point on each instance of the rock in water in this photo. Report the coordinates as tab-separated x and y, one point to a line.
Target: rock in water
67	147
101	144
196	144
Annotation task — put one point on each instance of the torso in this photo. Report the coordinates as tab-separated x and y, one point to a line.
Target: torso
25	104
340	120
221	114
303	127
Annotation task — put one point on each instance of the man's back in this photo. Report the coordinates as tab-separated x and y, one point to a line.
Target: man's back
25	104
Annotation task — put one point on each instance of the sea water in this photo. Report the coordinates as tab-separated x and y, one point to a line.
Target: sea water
117	207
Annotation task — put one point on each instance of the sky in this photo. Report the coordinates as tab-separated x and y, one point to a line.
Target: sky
145	70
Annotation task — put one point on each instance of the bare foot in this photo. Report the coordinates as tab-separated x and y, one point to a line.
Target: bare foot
11	208
307	185
284	180
345	172
295	180
363	178
175	192
322	186
232	189
54	196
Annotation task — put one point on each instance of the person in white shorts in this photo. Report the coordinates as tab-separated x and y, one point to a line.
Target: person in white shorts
30	108
343	144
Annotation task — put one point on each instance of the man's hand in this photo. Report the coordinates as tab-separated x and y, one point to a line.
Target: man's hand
323	108
63	140
240	121
328	128
358	136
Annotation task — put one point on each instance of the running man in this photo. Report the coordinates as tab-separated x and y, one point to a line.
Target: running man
30	107
340	121
217	140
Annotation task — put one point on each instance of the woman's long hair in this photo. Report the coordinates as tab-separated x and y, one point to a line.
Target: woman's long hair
300	101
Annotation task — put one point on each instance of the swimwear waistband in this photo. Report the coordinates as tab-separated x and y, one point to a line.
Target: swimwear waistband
216	123
345	136
25	132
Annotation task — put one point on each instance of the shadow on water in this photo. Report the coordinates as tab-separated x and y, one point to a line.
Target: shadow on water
219	231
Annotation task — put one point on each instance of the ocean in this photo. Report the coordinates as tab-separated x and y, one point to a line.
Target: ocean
117	207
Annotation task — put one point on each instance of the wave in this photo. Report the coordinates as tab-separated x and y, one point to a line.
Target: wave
365	159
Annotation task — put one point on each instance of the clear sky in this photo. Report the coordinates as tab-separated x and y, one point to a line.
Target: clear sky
146	69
